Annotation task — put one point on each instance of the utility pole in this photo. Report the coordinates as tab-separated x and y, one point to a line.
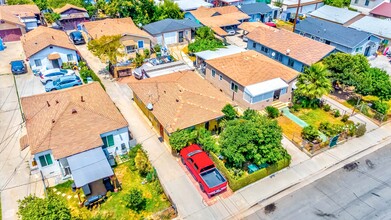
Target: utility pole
296	15
44	184
17	94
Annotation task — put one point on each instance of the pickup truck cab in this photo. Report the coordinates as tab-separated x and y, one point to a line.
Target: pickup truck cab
203	170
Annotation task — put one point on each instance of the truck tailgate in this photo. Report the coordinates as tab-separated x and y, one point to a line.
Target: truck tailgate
213	178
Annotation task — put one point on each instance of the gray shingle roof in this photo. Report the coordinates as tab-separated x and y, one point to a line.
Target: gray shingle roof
169	25
255	8
334	14
332	32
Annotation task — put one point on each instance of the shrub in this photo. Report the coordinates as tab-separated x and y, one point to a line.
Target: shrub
330	129
142	163
310	133
132	154
139	60
381	107
147	53
272	112
337	113
206	140
157	48
182	138
229	112
361	129
326	107
296	107
351	128
135	200
345	118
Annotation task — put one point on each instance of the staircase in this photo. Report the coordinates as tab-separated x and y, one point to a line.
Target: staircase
276	104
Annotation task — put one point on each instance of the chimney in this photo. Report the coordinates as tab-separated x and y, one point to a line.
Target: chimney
81	99
47	102
74	111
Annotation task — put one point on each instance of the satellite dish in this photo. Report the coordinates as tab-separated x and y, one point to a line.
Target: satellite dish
288	51
273	54
150	106
239	6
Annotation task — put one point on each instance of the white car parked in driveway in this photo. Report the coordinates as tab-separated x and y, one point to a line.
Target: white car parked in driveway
53	74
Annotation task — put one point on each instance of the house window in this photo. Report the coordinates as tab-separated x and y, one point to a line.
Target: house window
180	33
45	160
254	45
38	62
290	62
265	49
140	44
221	77
70	57
234	87
366	2
327	42
130	49
108	141
283	91
358	49
213	73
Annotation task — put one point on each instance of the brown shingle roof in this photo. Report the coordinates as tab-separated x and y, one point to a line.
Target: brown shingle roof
180	100
42	37
10	13
58	128
250	67
219	16
67	7
250	26
118	26
301	48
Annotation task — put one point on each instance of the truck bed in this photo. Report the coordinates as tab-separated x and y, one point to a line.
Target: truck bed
213	177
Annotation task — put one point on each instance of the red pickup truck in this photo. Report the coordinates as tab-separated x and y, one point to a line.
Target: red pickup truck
203	170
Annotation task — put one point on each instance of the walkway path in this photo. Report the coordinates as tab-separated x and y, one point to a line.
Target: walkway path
370	125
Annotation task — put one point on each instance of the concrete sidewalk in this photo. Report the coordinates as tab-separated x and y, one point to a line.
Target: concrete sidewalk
358	117
245	198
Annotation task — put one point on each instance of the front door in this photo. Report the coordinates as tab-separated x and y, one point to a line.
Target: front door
277	94
366	53
55	63
161	131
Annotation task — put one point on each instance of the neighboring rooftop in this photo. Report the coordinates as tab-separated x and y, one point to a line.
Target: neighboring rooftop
219	17
70	121
67	7
211	54
162	69
300	48
188	5
11	13
180	100
113	26
250	26
42	37
376	26
250	67
334	14
383	10
332	32
255	8
169	25
294	3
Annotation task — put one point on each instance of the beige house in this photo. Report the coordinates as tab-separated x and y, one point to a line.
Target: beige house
133	38
251	79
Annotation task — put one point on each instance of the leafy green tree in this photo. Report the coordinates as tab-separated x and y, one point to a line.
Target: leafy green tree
139	60
107	48
169	9
205	40
206	140
182	138
257	140
50	208
310	133
42	4
19	2
142	163
338	3
313	83
272	112
61	3
52	17
250	114
229	112
374	82
135	200
381	107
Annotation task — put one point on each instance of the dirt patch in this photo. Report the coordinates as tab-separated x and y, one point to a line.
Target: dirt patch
270	208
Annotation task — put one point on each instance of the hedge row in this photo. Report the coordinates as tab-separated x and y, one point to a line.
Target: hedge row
251	178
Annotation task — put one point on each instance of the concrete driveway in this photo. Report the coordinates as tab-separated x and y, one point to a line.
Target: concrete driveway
381	62
13	51
15	179
236	40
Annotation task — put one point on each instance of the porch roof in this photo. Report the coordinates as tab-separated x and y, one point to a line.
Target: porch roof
89	166
265	87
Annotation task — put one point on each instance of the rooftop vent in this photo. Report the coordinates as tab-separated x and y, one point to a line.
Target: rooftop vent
150	106
74	111
288	51
53	121
177	100
57	102
82	99
47	102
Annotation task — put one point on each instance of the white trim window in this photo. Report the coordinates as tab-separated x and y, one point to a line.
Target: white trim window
234	86
130	49
213	73
45	160
38	62
221	77
70	57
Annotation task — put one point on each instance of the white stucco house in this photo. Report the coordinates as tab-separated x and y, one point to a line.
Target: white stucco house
47	48
75	133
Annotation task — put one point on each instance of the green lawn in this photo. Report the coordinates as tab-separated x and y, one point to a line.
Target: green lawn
114	207
315	116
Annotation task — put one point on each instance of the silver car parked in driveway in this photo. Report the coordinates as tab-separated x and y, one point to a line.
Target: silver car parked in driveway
54	74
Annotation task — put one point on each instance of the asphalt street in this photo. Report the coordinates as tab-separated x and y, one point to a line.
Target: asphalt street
360	190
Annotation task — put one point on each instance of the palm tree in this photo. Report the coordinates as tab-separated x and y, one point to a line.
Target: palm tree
313	83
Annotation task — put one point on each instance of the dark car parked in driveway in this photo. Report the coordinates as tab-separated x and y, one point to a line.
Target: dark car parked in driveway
18	67
77	38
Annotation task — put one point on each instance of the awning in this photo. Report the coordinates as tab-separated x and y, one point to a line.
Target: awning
54	56
129	43
89	166
265	87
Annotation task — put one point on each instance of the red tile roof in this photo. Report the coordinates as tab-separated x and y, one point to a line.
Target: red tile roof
383	9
